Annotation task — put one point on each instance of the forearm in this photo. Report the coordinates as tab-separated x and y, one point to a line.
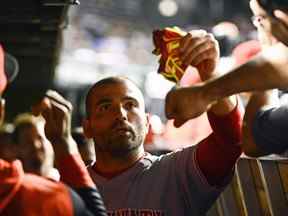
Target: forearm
258	101
258	74
73	172
64	147
224	106
70	164
221	106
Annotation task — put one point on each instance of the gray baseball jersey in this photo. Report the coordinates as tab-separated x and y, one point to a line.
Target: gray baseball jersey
171	184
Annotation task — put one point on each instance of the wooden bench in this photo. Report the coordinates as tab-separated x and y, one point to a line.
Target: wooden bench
259	188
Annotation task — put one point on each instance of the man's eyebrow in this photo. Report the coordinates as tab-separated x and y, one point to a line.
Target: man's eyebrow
102	101
109	100
130	98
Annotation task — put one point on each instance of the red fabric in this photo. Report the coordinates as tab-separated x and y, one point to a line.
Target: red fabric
27	194
218	154
10	181
3	78
167	42
79	177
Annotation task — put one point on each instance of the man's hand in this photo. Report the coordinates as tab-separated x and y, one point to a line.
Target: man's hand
57	113
183	104
201	50
280	26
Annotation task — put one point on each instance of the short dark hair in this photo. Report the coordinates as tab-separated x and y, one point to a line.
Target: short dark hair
270	5
102	82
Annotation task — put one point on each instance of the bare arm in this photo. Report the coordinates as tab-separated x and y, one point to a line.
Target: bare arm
217	154
57	113
265	125
267	71
202	52
258	100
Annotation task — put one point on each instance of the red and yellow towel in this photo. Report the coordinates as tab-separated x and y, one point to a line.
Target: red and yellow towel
167	42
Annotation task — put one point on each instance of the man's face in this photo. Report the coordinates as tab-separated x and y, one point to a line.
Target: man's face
263	22
117	121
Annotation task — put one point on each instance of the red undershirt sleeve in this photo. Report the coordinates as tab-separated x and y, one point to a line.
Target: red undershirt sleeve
217	154
73	171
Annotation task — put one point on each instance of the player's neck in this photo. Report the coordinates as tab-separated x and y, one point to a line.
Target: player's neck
109	166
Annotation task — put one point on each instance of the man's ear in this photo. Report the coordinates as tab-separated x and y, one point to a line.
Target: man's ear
87	129
2	111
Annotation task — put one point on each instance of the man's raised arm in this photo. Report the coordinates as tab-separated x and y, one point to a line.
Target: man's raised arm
218	153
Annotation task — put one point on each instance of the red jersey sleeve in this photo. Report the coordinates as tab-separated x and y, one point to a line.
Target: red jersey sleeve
73	171
217	154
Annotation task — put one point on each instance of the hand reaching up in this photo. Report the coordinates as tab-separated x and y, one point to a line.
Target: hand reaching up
57	111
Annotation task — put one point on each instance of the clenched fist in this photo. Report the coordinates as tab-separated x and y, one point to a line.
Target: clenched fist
57	111
186	103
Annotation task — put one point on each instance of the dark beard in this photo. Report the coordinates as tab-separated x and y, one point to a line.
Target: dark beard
122	152
123	147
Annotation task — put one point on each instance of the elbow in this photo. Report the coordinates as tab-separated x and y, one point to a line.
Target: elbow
251	150
248	145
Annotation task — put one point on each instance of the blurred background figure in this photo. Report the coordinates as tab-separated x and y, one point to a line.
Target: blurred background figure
7	150
33	148
154	140
246	50
85	146
228	35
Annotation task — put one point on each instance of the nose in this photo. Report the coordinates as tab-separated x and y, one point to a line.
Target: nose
121	113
